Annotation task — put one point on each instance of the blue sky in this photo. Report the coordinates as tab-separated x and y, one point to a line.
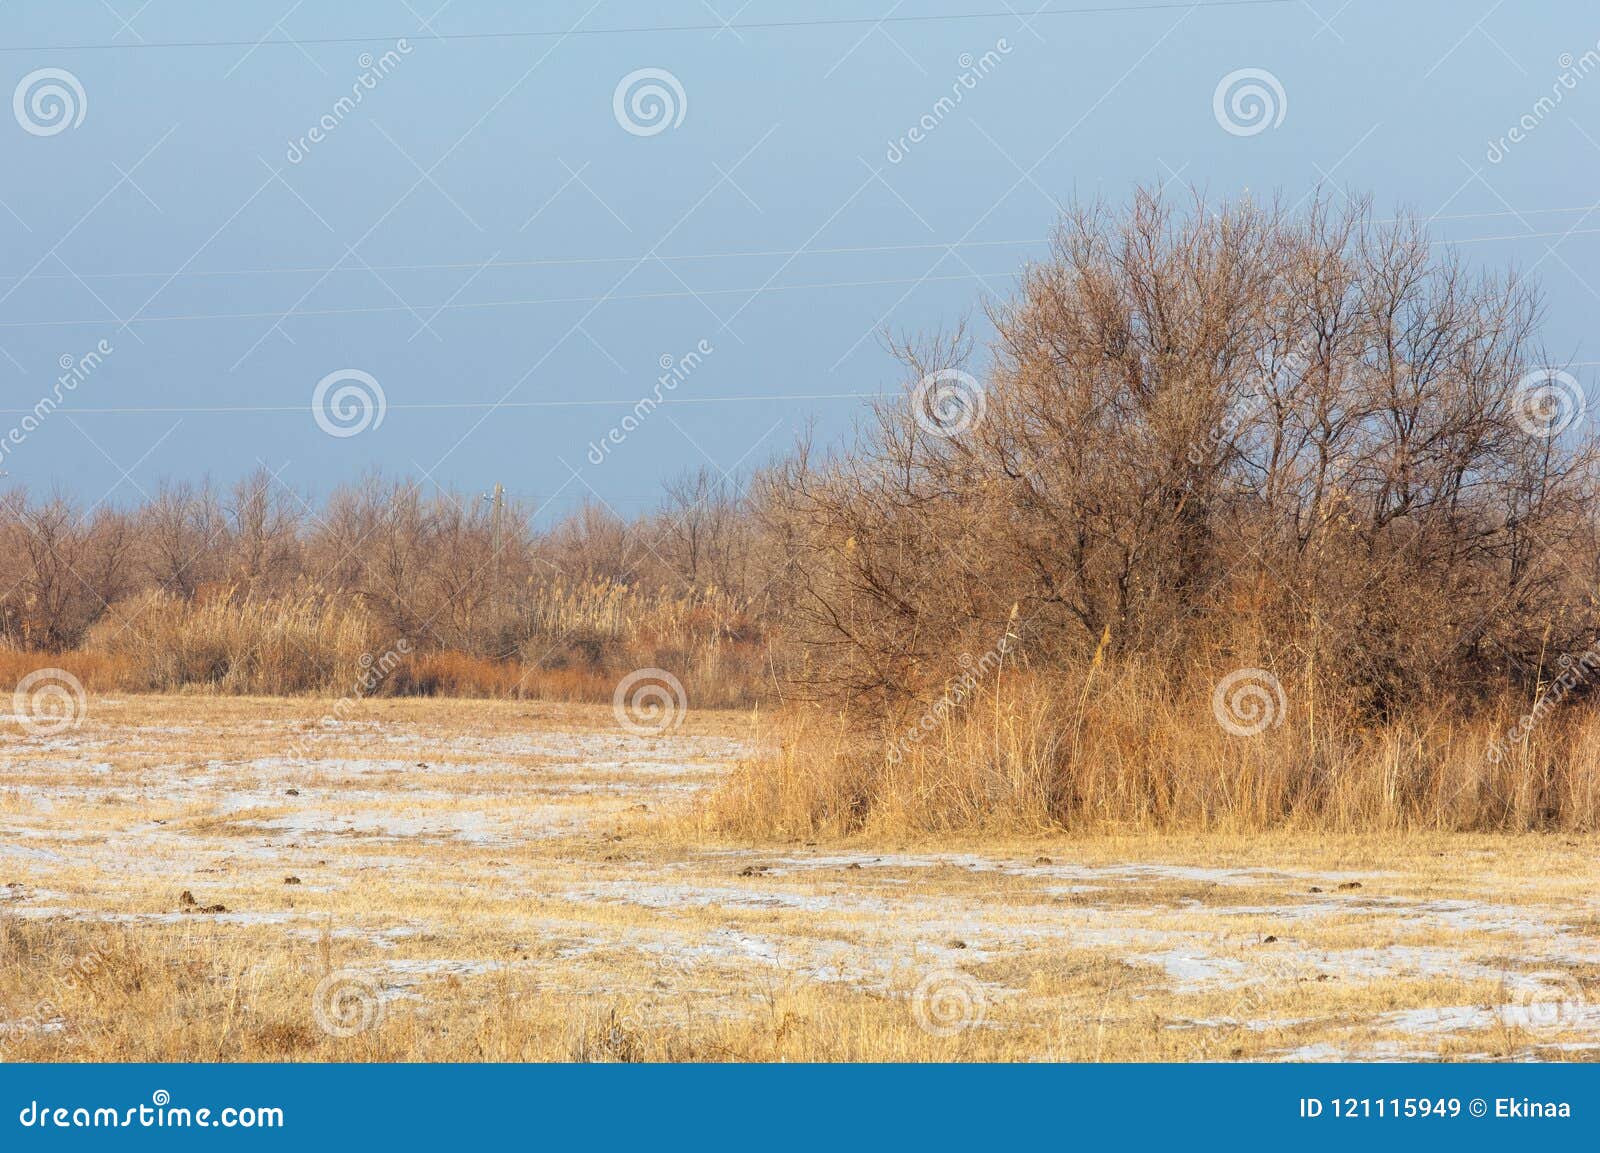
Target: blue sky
482	229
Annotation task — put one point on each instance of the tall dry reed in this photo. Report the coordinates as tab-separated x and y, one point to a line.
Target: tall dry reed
1135	753
575	642
305	642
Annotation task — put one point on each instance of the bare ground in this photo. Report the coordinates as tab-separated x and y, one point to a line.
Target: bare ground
215	878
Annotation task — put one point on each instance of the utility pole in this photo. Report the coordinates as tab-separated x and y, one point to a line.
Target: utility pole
496	542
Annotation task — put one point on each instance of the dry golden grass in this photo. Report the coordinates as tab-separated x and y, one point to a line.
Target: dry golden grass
96	671
526	881
560	641
1127	751
303	642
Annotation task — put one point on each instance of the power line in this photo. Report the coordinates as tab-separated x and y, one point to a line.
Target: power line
861	249
456	306
471	405
542	262
1521	236
749	26
264	409
433	310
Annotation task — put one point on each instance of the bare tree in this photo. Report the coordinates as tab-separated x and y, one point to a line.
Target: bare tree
264	538
1208	427
182	530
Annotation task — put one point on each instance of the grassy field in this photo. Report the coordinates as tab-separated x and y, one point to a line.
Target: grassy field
232	878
